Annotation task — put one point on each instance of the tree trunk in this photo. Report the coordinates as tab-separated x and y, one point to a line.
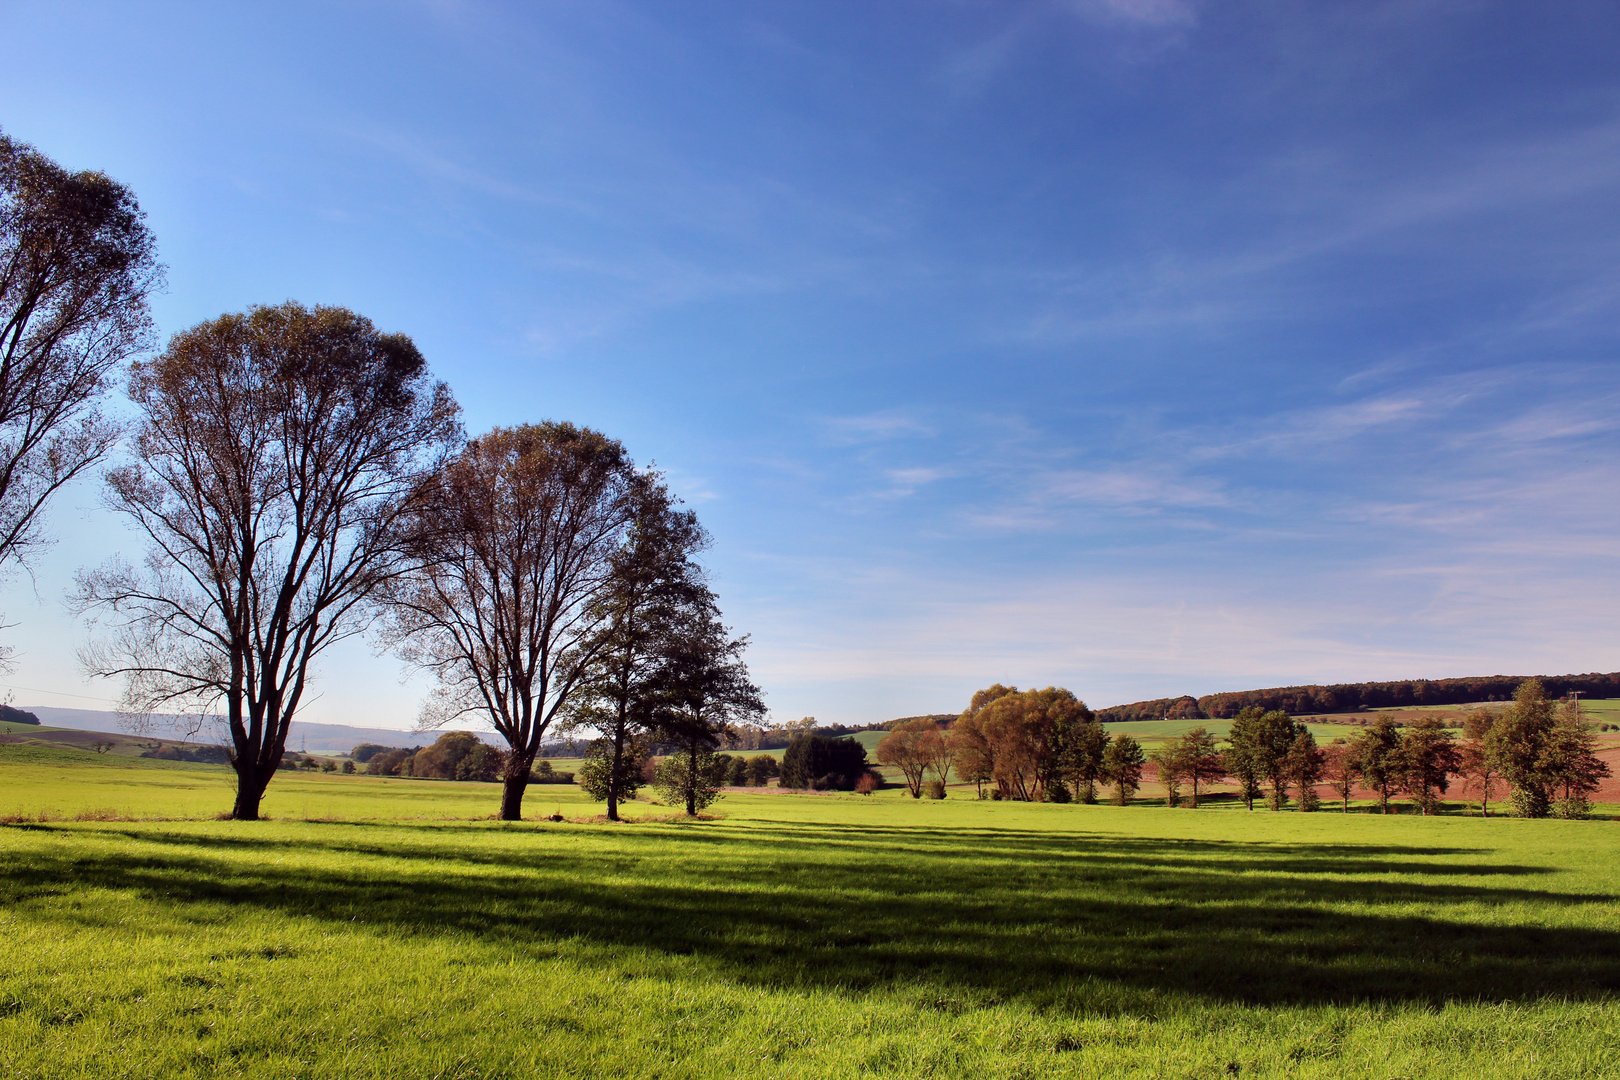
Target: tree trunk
250	784
616	773
691	779
513	786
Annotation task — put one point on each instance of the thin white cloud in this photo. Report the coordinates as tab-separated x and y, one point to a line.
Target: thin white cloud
875	427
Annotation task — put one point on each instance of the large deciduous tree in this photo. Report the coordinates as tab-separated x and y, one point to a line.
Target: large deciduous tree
77	265
1024	733
276	454
515	541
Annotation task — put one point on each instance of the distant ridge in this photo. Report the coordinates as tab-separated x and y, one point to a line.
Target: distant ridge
1347	697
303	735
9	715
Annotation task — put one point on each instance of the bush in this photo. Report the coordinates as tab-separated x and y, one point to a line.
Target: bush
868	783
934	789
348	768
328	765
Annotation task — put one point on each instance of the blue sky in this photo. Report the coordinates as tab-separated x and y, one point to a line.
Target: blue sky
1144	347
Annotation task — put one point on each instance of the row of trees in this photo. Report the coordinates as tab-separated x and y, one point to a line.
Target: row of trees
301	479
1045	745
1542	754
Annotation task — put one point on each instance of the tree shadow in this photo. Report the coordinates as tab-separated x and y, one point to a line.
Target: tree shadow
969	915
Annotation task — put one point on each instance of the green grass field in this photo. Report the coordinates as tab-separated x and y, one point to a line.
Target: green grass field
795	936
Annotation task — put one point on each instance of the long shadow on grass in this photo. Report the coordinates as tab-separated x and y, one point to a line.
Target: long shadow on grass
980	914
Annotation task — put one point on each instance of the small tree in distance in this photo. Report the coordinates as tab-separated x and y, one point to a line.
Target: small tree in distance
1478	770
1204	764
1084	754
1378	758
1428	757
1169	759
1340	771
1303	767
1243	758
1122	766
905	748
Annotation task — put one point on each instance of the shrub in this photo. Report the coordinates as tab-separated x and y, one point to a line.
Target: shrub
934	789
868	783
348	767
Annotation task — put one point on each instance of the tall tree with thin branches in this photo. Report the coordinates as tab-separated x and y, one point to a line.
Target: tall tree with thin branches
77	265
276	453
515	541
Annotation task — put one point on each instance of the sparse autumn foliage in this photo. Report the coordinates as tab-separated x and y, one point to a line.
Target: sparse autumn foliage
1340	770
515	541
276	454
77	264
909	748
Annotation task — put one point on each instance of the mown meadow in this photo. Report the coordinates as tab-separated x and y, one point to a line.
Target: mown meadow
385	927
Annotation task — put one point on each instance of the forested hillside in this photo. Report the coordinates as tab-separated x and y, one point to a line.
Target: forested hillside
1346	697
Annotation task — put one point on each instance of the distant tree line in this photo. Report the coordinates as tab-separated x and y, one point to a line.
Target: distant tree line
1348	697
9	715
455	755
1047	746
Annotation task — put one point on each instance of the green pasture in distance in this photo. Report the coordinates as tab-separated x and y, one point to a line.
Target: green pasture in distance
1150	732
795	936
38	782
